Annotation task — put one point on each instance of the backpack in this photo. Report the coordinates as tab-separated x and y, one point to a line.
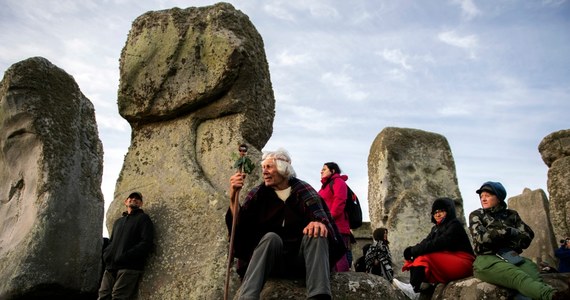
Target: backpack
351	208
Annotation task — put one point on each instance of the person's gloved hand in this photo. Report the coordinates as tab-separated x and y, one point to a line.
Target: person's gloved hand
408	253
511	231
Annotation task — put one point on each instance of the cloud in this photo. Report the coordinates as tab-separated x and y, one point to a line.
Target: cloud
469	42
345	84
397	57
341	72
309	119
285	58
322	11
553	3
468	8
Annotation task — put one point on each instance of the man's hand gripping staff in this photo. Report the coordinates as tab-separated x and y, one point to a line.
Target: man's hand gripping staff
236	183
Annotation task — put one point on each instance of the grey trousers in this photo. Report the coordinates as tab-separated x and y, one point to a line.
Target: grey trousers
268	259
119	285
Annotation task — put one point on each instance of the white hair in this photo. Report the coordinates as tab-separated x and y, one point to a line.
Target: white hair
282	162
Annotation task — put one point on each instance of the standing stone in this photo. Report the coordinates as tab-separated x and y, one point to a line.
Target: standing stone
532	207
51	205
194	85
555	152
407	170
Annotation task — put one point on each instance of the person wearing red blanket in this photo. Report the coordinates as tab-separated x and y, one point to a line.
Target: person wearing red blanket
444	255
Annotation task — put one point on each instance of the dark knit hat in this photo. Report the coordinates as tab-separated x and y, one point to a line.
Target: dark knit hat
136	195
441	204
495	188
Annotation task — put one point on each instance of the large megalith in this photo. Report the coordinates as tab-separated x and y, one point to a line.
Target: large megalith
194	84
532	207
407	170
555	152
51	205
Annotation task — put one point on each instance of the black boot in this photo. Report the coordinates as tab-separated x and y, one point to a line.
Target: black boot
417	276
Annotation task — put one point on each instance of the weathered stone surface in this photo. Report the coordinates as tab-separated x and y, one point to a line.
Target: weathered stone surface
555	152
472	288
363	236
407	170
344	286
559	190
51	205
532	207
555	146
352	285
194	85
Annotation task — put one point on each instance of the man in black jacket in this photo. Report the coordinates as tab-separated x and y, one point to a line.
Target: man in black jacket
130	244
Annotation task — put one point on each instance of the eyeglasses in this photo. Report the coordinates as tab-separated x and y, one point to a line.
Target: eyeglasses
437	211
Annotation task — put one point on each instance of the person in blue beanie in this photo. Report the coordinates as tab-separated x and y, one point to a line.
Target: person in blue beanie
499	237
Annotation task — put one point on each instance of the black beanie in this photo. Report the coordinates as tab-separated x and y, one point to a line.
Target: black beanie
441	204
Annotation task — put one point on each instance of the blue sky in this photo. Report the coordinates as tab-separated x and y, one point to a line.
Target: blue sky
491	76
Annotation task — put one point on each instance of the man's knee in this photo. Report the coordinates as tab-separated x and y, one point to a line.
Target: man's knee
319	243
272	240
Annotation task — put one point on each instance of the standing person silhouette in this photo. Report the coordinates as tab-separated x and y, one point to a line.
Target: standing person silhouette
130	245
334	191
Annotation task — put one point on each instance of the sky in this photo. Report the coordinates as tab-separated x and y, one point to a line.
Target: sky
491	76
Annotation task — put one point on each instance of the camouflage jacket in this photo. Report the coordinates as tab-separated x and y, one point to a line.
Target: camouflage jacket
498	228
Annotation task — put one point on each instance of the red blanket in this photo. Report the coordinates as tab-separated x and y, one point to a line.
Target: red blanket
443	266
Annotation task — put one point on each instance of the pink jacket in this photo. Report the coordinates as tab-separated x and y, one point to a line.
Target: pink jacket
335	199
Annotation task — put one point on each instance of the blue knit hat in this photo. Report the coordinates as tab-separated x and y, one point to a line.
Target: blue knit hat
495	188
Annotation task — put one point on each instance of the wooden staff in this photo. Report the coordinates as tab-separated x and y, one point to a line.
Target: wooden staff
243	164
234	209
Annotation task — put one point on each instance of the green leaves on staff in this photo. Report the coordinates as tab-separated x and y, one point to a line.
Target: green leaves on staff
243	163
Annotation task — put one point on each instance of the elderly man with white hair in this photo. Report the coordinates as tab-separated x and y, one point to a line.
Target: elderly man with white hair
283	229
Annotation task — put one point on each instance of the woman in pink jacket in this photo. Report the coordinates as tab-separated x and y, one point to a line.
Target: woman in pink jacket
334	191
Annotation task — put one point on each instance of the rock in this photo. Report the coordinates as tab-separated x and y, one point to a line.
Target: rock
194	85
532	207
344	286
555	146
472	288
352	285
559	189
555	152
363	236
51	205
407	170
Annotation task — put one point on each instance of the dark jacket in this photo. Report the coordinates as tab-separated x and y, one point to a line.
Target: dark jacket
131	242
497	228
449	235
378	260
264	212
563	254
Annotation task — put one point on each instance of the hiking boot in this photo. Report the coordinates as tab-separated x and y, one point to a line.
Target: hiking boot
425	288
